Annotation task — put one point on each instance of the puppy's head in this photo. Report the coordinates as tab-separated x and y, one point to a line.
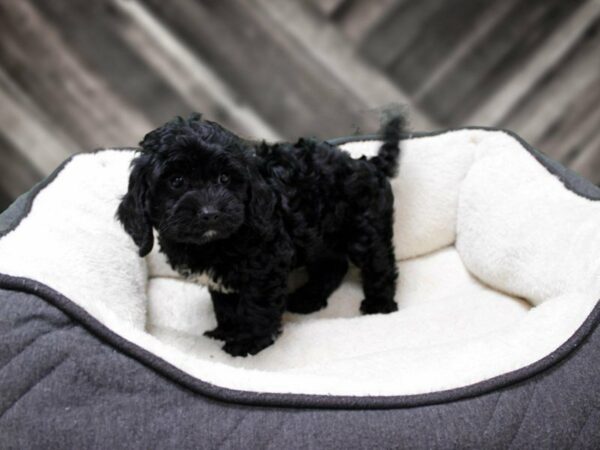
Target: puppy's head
195	183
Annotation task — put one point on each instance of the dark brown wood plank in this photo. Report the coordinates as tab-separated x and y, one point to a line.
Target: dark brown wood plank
103	31
261	62
40	139
5	201
31	145
559	94
588	163
194	81
482	27
483	70
16	174
395	32
578	123
574	137
337	56
441	33
76	75
61	83
329	7
358	17
92	30
563	40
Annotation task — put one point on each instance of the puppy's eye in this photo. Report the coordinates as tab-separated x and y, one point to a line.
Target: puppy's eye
177	182
224	178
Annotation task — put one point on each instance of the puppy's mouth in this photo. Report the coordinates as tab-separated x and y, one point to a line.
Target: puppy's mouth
210	234
197	237
189	229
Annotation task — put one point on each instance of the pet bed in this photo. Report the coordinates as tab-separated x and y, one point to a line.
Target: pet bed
495	344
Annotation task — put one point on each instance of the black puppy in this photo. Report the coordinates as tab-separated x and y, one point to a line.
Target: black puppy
247	213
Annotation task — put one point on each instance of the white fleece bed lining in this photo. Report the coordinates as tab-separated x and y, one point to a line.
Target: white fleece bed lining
499	267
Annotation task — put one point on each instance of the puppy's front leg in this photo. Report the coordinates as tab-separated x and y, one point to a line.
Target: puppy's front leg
259	315
225	306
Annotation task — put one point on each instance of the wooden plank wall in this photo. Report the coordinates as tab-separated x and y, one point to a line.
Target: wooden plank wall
77	75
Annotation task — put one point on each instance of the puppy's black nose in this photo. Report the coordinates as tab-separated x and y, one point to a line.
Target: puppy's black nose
208	215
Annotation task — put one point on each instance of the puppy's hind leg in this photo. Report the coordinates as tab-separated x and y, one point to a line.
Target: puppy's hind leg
373	254
325	276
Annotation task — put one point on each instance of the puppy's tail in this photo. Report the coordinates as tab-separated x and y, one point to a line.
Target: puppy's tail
389	152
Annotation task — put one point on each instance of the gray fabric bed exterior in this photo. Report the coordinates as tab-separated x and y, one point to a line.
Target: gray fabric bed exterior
64	387
66	381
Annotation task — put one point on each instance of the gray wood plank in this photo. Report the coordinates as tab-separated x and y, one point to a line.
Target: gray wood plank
395	32
5	201
485	23
76	75
562	41
588	163
41	141
359	17
440	33
559	94
578	124
196	83
61	83
329	47
105	31
267	67
16	174
93	31
329	7
483	70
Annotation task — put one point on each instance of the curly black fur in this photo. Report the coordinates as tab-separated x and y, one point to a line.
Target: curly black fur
248	213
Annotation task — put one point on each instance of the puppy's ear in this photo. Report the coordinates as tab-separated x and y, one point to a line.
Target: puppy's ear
133	211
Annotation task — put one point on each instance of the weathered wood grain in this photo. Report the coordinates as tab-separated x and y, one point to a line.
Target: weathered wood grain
359	17
559	44
76	75
5	199
396	31
588	161
262	63
93	33
492	61
194	81
446	28
331	51
578	123
558	94
42	64
485	24
330	7
41	143
17	175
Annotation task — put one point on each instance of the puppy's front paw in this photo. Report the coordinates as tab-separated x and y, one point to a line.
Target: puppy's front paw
219	333
378	306
248	346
